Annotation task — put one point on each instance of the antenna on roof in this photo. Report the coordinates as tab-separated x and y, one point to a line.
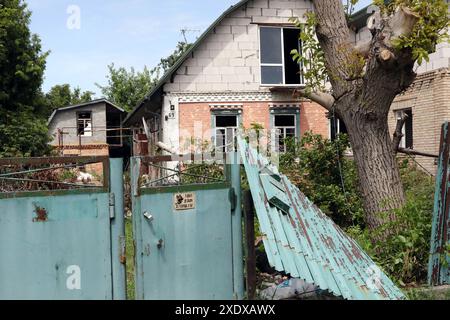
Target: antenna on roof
186	30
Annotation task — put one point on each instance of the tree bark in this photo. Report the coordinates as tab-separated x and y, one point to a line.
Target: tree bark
363	101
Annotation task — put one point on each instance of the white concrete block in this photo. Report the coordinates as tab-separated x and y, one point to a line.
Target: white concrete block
258	4
220	37
242	70
236	30
270	20
190	86
204	62
194	70
236	86
302	4
247	46
220	86
237	62
204	86
226	70
252	12
278	4
212	78
214	45
441	63
252	62
172	87
300	14
236	21
200	54
284	13
269	12
223	29
221	62
211	70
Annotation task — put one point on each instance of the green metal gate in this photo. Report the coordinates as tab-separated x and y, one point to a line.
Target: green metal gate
65	241
188	237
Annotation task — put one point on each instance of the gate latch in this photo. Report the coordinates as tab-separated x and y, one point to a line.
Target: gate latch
112	205
148	216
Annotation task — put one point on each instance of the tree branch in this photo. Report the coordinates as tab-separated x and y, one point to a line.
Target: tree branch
401	24
326	100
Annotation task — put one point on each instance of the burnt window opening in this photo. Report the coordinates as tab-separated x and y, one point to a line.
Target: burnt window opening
407	130
225	132
84	124
286	129
277	65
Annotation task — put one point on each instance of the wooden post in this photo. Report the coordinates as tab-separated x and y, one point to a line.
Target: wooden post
142	150
250	263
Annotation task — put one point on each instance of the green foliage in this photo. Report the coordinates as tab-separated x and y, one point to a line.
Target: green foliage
312	58
63	96
22	134
433	19
405	253
315	165
128	88
22	65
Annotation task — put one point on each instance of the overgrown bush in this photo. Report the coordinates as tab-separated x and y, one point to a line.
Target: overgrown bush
405	253
318	167
321	170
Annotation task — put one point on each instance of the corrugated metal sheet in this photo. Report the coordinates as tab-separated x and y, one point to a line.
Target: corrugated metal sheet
302	241
438	271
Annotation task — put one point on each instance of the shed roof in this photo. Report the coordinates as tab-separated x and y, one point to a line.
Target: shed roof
134	116
93	102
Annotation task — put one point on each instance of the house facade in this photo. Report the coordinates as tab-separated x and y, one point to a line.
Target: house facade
88	129
240	73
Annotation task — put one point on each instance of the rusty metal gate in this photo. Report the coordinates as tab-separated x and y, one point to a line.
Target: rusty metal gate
188	231
61	237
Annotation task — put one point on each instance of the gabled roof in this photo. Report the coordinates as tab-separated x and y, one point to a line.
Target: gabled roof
93	102
183	58
359	18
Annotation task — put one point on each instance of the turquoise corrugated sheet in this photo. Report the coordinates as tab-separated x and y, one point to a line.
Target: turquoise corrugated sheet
307	244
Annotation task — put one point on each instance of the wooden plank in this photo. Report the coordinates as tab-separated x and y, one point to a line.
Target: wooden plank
250	245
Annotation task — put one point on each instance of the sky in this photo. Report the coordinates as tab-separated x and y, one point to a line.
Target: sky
85	36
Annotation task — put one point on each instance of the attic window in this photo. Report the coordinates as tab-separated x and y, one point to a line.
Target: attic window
277	65
84	124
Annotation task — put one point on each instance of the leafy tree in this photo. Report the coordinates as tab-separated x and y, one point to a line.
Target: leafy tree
63	96
365	79
128	88
22	65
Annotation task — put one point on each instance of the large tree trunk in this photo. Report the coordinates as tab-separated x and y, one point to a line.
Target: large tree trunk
379	178
362	96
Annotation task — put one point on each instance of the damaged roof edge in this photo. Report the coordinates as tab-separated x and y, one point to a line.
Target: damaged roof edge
133	115
180	61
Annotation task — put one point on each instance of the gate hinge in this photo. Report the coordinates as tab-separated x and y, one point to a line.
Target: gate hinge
233	199
112	205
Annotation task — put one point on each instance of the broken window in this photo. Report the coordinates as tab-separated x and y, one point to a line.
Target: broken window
286	129
225	132
407	130
277	65
84	124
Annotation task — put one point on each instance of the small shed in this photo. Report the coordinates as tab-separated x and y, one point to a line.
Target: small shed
91	128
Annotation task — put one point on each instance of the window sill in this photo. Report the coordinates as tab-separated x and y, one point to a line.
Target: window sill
283	87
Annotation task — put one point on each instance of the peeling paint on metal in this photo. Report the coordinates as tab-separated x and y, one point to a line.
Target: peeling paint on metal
438	267
307	244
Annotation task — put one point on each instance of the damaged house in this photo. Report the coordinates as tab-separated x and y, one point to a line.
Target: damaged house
240	73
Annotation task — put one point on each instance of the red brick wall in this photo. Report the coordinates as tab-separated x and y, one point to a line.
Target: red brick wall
312	117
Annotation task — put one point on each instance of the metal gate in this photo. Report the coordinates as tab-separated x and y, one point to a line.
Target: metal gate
65	241
188	232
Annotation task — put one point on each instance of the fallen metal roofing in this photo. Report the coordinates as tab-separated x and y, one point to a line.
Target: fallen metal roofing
438	266
302	241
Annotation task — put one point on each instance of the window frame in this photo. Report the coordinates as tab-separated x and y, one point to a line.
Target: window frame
403	142
261	64
92	124
224	113
284	112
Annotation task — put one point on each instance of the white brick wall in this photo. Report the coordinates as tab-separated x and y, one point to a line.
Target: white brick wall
228	59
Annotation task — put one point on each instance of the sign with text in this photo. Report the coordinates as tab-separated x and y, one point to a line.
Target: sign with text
184	201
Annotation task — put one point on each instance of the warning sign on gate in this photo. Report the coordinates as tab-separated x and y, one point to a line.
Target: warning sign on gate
184	201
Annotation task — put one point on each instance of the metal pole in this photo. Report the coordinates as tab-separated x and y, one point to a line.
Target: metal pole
236	224
250	245
118	231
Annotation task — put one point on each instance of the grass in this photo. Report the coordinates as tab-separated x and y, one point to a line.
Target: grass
130	259
425	293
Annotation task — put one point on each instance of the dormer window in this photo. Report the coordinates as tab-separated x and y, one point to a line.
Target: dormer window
277	65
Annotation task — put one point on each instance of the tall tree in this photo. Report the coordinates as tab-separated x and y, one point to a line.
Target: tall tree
128	88
22	65
366	78
63	96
